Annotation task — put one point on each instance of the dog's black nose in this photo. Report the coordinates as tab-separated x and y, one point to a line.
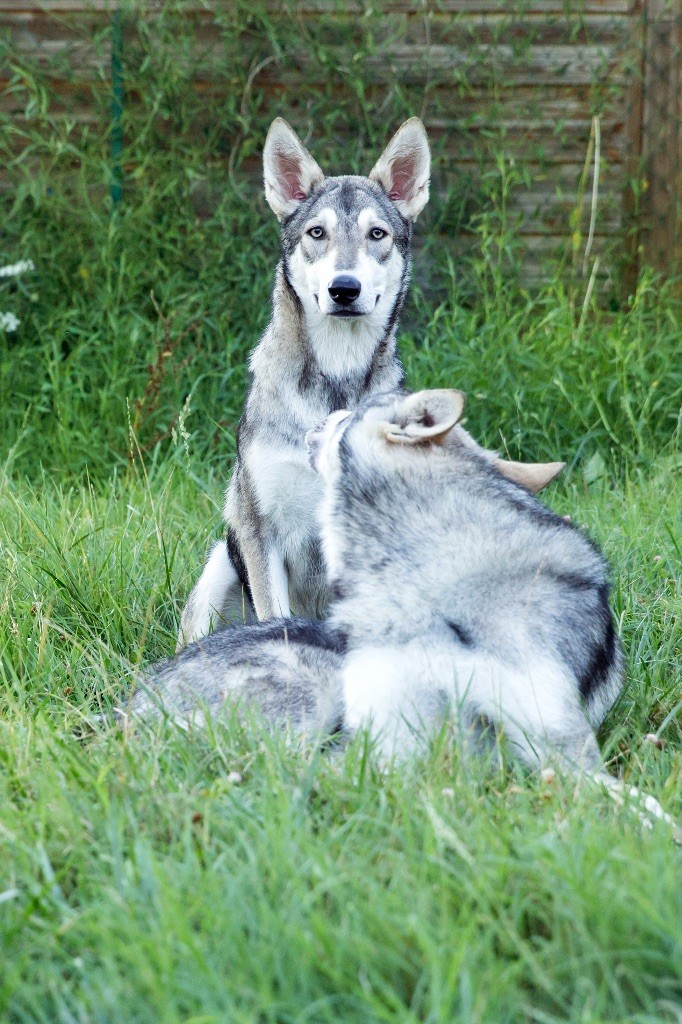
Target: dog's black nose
345	289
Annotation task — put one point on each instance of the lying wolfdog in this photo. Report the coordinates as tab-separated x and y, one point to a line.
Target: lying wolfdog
455	592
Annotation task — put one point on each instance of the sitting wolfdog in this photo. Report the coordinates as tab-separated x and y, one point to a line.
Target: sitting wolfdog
339	287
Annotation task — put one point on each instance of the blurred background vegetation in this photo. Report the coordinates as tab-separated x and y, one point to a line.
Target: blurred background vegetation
131	140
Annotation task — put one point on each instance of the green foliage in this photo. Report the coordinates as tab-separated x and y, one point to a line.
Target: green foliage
141	881
137	881
137	313
543	386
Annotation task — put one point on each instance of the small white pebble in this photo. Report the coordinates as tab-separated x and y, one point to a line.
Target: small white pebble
548	775
567	519
657	558
447	791
234	777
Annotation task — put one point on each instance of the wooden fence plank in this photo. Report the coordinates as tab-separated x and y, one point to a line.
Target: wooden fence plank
661	225
500	7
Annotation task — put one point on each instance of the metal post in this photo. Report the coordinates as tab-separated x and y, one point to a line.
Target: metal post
116	138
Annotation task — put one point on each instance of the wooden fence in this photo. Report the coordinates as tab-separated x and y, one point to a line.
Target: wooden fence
631	49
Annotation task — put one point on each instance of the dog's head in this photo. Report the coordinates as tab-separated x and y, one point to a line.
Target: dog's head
345	240
390	469
382	436
396	424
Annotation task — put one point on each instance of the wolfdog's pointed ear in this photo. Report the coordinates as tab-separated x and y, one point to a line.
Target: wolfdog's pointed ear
404	168
426	417
531	475
289	171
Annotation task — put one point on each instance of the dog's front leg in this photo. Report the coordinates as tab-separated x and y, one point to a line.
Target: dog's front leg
267	576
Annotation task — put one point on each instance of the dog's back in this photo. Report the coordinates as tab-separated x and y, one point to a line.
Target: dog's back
514	578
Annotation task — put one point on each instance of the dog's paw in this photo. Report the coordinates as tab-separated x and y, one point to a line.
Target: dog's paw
646	807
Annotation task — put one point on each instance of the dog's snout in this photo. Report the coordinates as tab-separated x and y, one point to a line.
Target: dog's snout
345	289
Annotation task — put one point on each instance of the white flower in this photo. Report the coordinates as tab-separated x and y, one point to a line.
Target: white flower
8	322
14	269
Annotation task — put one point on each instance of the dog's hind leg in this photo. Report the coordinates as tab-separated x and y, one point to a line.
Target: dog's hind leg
538	708
218	599
542	730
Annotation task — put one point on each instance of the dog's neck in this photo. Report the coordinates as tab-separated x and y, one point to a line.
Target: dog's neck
365	558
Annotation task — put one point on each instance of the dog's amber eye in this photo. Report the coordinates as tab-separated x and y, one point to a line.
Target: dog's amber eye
316	232
377	234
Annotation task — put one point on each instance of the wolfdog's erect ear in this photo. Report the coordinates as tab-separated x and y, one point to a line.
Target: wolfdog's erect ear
403	169
531	475
289	171
425	418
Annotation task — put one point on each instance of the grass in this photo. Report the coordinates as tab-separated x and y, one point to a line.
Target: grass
140	882
222	876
